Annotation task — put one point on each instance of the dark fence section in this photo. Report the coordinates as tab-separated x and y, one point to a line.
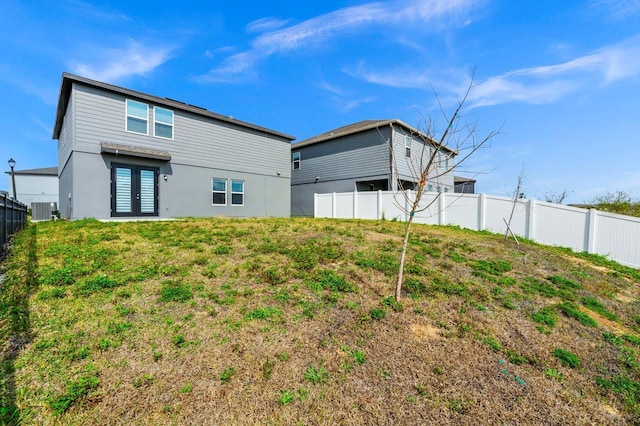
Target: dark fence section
13	216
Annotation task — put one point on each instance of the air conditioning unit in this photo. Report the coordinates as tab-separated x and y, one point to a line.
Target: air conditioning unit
44	211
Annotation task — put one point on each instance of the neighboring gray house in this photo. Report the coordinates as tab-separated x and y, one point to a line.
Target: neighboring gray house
123	153
360	157
35	185
464	185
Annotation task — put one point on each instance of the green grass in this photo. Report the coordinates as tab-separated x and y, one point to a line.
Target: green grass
142	322
566	358
573	311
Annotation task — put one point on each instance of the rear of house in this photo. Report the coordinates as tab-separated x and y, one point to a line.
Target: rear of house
123	153
369	155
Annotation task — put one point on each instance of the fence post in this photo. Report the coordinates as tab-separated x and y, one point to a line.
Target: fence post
591	237
379	213
442	205
481	211
531	220
4	222
315	204
355	204
333	205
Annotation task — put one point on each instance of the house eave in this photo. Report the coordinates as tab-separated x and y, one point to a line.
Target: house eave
372	124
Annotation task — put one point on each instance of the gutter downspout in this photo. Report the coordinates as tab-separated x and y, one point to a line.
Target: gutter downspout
393	185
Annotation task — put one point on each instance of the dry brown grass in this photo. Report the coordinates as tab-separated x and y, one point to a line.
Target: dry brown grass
464	351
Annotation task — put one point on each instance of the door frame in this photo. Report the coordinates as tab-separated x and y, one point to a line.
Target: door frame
135	190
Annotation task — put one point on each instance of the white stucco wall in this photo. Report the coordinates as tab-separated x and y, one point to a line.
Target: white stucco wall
35	188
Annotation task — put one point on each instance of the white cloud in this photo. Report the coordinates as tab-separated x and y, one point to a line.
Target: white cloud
341	22
48	130
533	85
266	24
86	9
546	84
617	9
111	65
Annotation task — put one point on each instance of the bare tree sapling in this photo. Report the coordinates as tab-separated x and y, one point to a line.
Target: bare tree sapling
462	138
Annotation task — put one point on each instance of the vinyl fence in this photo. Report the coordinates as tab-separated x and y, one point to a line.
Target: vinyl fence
612	235
13	215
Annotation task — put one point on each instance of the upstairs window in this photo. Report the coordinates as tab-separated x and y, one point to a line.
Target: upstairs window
137	116
295	161
407	146
237	193
162	122
219	189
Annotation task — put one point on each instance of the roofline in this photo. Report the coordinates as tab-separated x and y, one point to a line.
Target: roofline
375	124
68	80
37	172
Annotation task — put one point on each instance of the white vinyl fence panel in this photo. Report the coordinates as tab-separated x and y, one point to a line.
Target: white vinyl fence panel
608	234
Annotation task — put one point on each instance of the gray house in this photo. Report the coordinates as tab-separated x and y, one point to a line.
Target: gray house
123	153
361	157
464	185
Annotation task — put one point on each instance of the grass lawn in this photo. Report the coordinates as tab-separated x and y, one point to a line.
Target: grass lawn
291	321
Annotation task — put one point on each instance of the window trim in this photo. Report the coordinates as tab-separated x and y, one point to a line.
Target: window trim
127	115
295	161
407	146
155	121
213	192
236	193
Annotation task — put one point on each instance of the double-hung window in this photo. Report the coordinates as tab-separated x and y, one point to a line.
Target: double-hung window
407	146
219	189
237	193
295	161
137	117
162	122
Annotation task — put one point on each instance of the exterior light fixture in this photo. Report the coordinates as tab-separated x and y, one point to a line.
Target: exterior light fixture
12	164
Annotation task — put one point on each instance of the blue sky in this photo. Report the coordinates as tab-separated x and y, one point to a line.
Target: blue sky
561	78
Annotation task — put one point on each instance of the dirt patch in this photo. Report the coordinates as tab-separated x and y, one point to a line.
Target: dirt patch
425	331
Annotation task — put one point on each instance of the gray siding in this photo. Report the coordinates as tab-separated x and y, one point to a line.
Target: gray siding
418	150
202	148
65	190
67	137
359	156
198	141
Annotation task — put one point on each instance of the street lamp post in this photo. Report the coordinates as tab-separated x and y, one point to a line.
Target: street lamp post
12	164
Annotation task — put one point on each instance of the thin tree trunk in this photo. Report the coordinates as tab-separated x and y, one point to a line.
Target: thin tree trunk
405	244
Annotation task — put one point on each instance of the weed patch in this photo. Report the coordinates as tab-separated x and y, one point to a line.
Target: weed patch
95	284
75	391
566	358
572	311
264	313
594	304
316	375
174	291
383	262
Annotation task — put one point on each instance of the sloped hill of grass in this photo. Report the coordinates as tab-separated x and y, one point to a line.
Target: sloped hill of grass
290	321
